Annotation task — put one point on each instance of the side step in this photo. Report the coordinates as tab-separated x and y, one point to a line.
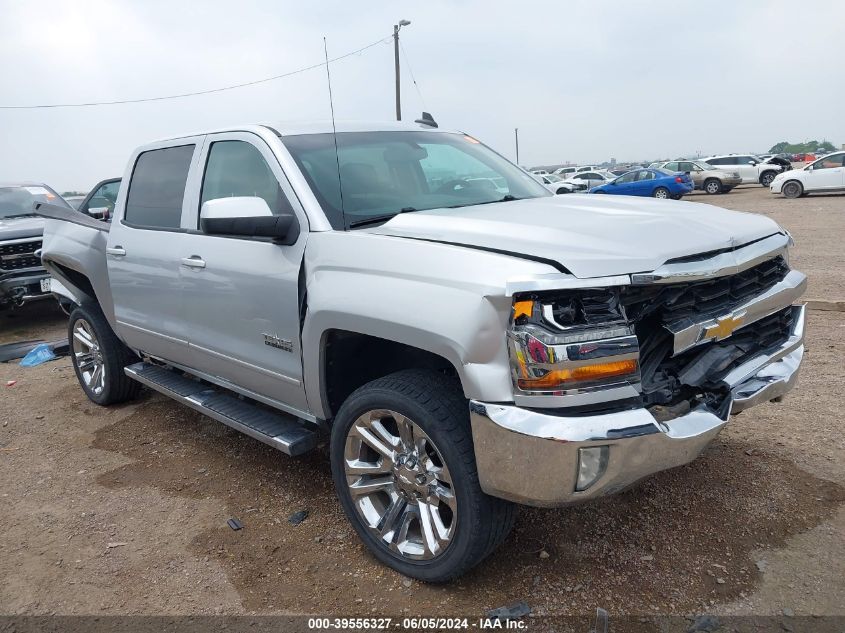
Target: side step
277	429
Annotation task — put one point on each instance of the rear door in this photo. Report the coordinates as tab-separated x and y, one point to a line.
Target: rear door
242	295
143	251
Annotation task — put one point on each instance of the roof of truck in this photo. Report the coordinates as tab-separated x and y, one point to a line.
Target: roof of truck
292	128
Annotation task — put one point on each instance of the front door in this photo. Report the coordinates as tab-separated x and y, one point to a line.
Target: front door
143	251
826	174
242	295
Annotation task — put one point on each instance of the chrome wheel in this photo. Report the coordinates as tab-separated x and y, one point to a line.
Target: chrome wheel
661	193
88	357
713	186
400	486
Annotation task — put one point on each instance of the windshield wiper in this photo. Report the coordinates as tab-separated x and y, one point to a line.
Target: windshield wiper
381	218
505	198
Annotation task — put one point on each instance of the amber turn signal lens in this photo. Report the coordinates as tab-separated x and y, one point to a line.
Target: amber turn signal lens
522	308
558	377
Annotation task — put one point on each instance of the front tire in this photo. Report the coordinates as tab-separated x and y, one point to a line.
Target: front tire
661	192
767	177
713	186
792	189
99	357
404	469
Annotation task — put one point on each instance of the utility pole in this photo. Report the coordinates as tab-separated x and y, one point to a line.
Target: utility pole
396	28
516	138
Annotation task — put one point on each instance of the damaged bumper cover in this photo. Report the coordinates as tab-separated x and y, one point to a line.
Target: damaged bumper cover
540	459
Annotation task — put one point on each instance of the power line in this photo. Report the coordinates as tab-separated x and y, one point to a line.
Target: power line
199	92
411	72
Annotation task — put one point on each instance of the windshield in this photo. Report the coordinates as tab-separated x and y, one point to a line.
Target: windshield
385	173
18	201
554	178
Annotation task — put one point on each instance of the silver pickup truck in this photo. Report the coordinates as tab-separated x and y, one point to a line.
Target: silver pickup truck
468	341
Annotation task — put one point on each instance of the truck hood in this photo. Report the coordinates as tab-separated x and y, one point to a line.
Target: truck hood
588	235
17	228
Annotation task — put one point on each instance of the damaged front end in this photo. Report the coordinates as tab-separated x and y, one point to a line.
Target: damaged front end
670	347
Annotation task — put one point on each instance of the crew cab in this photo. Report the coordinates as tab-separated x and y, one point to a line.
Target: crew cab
466	349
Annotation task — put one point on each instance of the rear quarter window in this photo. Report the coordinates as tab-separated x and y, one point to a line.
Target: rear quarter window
157	187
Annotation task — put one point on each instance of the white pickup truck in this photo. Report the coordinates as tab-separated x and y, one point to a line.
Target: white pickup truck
467	346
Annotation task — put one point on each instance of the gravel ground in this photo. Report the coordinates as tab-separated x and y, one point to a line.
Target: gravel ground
123	510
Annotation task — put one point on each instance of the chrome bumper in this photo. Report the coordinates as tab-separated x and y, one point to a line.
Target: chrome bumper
533	458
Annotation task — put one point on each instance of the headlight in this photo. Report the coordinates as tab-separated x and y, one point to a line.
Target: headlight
570	342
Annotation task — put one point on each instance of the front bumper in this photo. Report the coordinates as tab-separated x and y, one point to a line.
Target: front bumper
533	458
23	287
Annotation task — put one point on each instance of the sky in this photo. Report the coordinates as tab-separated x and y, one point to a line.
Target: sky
583	81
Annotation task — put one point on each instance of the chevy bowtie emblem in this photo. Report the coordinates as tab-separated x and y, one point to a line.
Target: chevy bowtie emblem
724	326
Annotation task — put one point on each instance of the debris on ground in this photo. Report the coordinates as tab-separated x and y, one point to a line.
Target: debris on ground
11	383
18	349
234	524
38	355
298	517
116	544
512	612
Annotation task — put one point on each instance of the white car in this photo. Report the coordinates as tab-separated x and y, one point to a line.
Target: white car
556	184
751	168
564	171
825	174
539	172
589	179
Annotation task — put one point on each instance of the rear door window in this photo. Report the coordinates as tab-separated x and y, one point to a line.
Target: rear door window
157	188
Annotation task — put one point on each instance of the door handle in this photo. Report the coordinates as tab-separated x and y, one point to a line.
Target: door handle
117	251
194	261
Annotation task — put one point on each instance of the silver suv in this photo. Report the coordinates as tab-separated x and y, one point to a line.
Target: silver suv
466	340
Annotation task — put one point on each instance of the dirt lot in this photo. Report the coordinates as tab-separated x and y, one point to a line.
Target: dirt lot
123	510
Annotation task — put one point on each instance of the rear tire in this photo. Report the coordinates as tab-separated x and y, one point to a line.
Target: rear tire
661	192
792	189
767	177
713	186
416	502
99	357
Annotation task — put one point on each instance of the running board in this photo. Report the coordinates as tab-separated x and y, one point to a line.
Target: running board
277	429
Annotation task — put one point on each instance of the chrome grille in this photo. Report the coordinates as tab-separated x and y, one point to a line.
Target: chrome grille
19	255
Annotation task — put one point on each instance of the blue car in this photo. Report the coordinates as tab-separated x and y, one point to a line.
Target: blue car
656	183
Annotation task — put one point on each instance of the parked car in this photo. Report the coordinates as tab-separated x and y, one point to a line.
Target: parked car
585	180
22	277
539	172
656	183
749	167
564	171
619	172
704	176
827	174
100	201
463	351
556	184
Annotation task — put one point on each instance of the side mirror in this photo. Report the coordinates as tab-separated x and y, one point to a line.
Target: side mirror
100	213
752	162
247	216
